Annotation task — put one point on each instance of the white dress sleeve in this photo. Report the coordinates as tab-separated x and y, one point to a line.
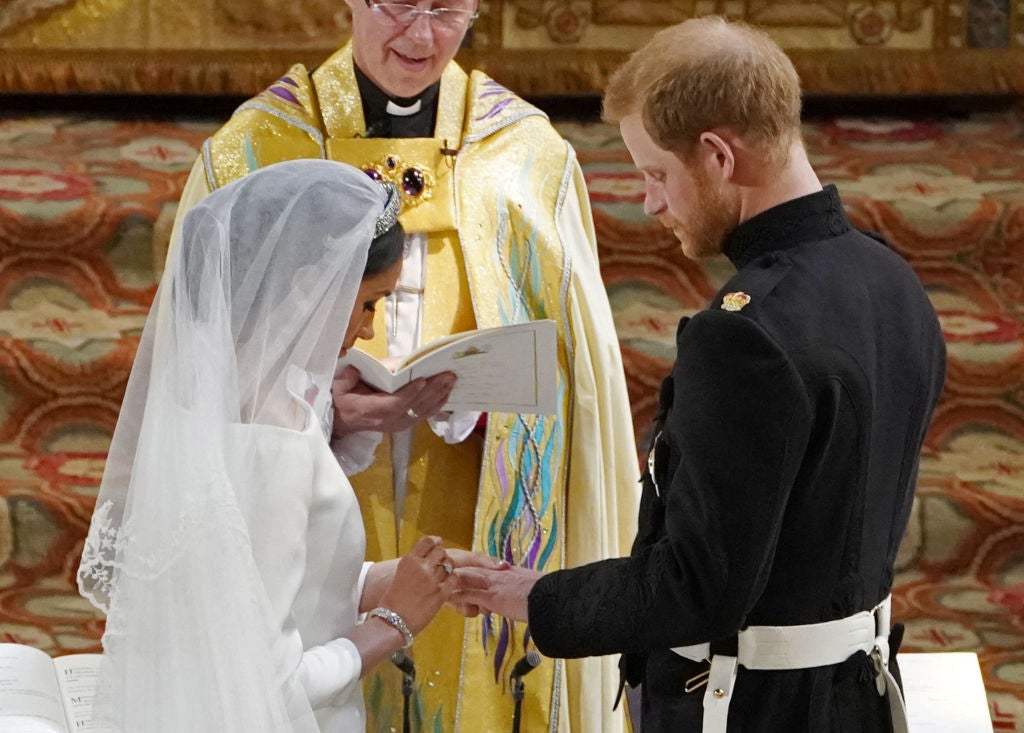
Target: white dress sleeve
328	670
295	532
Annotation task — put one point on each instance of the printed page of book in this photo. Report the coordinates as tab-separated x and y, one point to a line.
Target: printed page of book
504	369
76	675
507	369
944	693
30	700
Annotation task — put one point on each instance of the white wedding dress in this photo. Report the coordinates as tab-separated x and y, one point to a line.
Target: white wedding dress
308	542
227	547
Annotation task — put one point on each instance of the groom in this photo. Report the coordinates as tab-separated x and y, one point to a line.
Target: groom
782	471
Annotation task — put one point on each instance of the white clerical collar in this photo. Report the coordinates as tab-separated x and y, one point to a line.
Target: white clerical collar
399	111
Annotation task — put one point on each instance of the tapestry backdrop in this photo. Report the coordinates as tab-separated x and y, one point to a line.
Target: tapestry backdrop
534	46
85	202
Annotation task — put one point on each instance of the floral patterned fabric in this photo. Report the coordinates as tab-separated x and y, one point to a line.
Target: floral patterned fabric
85	210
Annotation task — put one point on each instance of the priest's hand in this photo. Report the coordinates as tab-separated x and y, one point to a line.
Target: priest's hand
358	407
504	592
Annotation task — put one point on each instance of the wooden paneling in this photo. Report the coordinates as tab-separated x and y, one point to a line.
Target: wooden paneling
537	47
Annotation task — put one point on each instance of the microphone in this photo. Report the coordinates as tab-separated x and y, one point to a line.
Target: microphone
404	662
525	665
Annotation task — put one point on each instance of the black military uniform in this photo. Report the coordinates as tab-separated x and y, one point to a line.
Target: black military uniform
783	473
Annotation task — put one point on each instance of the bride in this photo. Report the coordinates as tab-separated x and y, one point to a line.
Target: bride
227	547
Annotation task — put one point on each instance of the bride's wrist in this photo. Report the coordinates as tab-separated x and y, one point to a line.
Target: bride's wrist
395	621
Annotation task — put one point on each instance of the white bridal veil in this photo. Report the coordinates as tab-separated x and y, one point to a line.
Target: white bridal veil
252	309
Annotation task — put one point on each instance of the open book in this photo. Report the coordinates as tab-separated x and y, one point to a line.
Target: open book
43	695
502	369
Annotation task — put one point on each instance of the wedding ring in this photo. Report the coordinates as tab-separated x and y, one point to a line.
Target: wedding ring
448	568
412	414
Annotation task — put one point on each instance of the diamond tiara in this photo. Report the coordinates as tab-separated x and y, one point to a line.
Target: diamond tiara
392	207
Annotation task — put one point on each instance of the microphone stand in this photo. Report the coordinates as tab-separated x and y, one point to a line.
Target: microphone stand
404	662
518	690
523	667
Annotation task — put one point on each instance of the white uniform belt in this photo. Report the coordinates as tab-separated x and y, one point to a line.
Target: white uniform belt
798	647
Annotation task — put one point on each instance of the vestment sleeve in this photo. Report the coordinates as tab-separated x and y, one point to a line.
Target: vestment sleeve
603	488
355	451
735	434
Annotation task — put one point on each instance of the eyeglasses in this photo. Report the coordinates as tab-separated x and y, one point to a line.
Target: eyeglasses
402	15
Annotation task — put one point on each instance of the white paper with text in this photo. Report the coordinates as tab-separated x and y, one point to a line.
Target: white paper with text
29	694
76	675
505	369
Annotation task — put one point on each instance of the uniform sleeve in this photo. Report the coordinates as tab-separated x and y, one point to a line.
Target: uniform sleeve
737	430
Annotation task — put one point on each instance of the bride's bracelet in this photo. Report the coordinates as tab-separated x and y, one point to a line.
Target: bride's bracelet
390	617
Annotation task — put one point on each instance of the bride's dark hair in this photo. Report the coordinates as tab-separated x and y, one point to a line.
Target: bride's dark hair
385	250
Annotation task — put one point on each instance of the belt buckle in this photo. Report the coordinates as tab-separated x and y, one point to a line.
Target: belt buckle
879	665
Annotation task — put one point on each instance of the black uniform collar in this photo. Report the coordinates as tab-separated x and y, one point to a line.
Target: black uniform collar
380	123
810	218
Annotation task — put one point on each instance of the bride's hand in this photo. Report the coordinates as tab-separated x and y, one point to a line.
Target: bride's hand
423	580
